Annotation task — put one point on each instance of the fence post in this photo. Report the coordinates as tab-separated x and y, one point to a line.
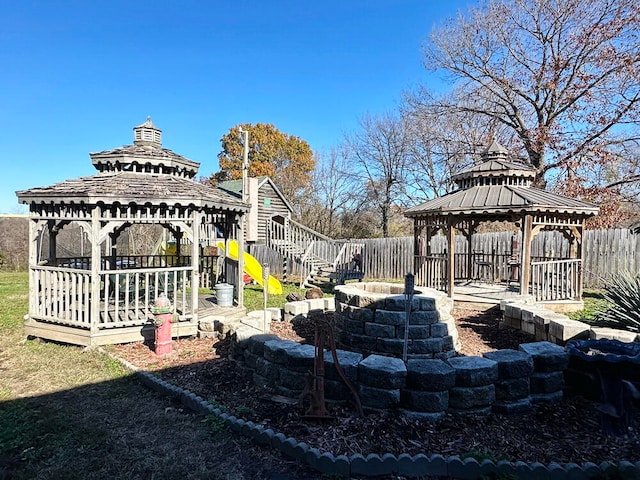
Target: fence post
409	283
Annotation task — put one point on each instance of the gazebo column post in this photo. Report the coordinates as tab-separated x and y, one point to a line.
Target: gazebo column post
469	236
177	235
35	227
195	262
108	245
578	234
240	279
417	253
451	246
94	313
53	242
525	254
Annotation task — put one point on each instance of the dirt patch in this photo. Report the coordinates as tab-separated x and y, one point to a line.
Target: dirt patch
564	432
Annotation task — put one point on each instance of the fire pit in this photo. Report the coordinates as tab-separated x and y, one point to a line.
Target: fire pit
606	371
371	318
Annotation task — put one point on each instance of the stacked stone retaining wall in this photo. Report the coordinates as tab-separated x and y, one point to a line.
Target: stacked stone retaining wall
370	318
523	313
423	388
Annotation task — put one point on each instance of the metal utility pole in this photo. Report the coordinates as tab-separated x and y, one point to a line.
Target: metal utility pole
245	162
243	230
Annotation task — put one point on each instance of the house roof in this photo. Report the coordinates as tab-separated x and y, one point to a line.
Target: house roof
234	187
133	187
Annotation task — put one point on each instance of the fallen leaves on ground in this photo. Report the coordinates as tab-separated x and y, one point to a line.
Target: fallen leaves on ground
565	432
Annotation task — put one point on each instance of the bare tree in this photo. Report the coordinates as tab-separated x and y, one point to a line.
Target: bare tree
378	153
560	74
442	142
332	195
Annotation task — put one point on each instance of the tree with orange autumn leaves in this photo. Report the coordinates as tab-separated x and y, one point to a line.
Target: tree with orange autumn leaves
287	159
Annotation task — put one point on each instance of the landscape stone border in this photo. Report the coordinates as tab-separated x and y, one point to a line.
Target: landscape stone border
523	313
375	464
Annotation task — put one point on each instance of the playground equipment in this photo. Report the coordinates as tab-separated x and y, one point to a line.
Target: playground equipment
252	268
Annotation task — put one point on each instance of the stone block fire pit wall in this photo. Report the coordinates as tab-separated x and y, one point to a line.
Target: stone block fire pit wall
370	319
503	381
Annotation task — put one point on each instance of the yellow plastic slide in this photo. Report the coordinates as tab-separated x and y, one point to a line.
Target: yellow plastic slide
253	268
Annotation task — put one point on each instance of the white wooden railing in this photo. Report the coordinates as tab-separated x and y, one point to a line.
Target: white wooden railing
556	280
61	295
125	297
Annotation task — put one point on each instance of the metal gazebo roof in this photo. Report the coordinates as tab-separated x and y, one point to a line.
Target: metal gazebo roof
498	186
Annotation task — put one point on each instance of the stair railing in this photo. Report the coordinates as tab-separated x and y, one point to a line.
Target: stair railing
307	266
312	249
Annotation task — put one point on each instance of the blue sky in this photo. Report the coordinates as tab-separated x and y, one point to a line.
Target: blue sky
77	76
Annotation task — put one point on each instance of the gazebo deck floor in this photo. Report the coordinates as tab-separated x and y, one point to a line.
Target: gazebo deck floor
478	292
132	324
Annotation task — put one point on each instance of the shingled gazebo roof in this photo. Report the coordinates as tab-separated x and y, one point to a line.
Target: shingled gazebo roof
499	186
126	187
142	173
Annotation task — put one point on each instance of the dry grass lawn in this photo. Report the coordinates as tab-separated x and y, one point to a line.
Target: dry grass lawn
67	413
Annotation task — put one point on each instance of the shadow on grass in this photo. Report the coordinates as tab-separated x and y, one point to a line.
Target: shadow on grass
121	429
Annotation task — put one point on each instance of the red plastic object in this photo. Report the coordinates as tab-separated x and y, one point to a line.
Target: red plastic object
163	334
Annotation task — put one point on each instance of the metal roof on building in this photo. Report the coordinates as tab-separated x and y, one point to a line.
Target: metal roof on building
497	199
496	168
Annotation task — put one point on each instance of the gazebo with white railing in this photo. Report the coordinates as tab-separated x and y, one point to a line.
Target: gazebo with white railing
500	189
106	296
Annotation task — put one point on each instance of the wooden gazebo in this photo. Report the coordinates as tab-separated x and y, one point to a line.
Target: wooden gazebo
500	190
107	296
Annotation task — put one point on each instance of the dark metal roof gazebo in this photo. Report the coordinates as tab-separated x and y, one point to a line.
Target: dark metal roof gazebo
499	189
106	297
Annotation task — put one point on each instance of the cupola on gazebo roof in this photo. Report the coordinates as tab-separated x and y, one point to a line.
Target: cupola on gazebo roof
142	173
145	155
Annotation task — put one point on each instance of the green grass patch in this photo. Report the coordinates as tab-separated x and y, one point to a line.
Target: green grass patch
30	430
14	300
594	305
71	413
254	300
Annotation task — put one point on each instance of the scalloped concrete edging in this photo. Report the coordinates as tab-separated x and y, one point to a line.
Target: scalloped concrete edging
375	464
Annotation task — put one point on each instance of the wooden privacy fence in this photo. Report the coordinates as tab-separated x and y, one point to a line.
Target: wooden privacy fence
606	253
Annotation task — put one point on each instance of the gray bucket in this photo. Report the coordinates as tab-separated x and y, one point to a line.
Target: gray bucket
224	294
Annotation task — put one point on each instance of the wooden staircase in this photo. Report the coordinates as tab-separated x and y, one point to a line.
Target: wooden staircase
324	259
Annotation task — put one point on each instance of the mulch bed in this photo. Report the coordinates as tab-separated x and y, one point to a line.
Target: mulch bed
565	432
